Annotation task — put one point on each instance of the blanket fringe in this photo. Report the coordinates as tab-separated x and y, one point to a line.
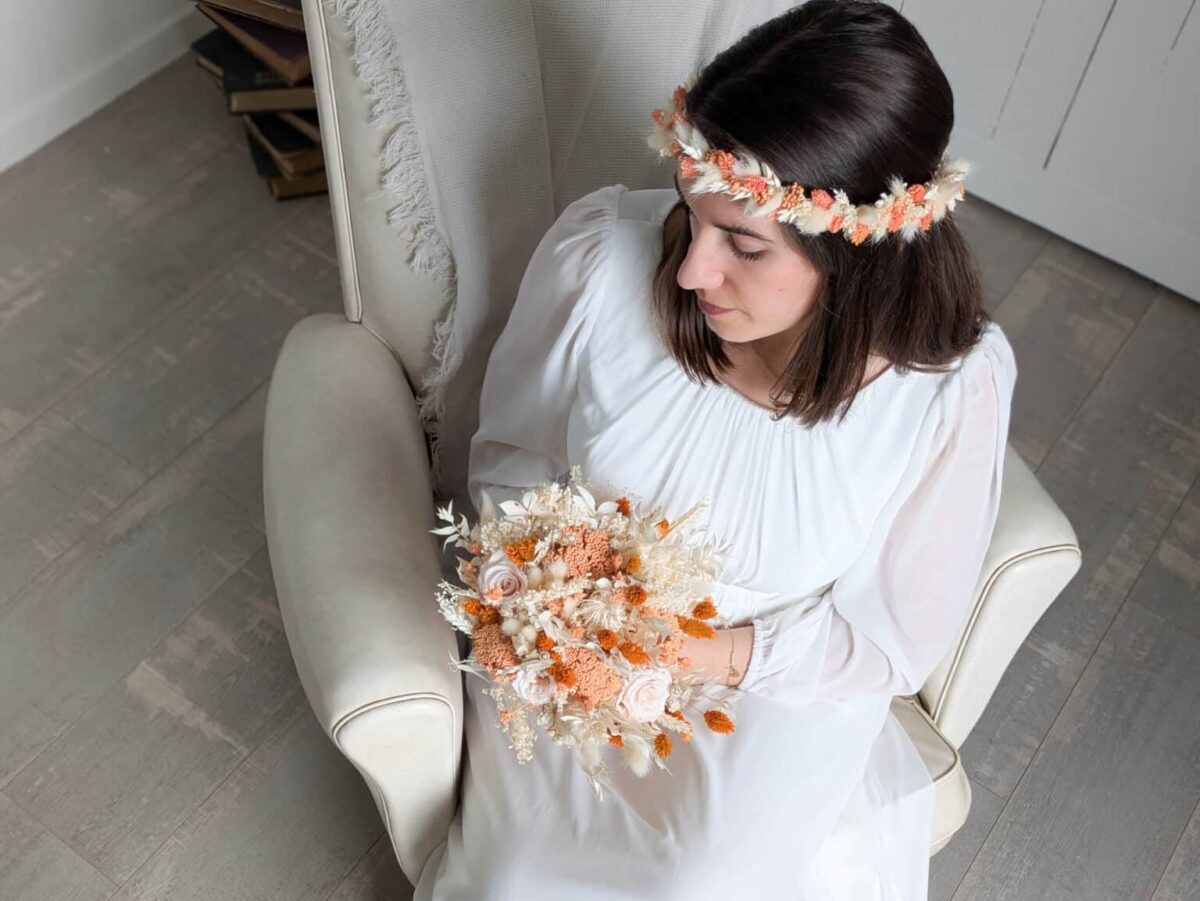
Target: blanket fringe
376	60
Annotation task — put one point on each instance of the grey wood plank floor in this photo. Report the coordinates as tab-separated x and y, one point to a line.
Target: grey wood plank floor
154	740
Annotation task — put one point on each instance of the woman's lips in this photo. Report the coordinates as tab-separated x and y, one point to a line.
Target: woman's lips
712	310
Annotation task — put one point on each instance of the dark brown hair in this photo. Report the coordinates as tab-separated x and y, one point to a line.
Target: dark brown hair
835	94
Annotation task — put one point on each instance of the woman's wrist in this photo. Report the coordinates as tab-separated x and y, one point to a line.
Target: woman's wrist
741	641
726	656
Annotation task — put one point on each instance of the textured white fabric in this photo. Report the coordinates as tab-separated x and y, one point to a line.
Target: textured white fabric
856	550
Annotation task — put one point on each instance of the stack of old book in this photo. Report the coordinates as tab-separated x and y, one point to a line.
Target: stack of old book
258	56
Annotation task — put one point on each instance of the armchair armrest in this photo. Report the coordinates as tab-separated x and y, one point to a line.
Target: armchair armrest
349	506
1034	553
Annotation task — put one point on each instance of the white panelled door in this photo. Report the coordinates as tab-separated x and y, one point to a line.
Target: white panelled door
1082	116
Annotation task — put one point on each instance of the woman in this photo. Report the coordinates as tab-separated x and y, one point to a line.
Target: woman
826	377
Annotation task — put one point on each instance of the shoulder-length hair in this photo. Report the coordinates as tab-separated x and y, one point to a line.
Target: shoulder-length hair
835	94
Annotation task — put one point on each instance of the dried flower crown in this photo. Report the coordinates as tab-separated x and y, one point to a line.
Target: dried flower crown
902	208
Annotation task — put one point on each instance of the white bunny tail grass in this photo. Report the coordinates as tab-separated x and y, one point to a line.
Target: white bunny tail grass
376	60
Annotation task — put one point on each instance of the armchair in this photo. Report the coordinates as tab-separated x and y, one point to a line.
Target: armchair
349	505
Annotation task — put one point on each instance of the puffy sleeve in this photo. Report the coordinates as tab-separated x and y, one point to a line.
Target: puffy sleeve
884	625
531	376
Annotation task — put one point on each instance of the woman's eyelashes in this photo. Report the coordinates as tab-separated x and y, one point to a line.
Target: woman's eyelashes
743	254
746	255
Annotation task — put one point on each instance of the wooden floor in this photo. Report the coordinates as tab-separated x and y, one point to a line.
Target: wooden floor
154	741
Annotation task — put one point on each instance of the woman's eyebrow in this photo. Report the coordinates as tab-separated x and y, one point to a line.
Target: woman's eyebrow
732	229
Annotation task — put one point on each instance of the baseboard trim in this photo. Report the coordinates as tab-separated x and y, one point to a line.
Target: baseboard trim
44	118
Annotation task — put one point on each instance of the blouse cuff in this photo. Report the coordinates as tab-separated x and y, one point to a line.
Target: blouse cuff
755	663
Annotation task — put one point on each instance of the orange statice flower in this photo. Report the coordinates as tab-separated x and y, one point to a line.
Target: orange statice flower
705	609
662	744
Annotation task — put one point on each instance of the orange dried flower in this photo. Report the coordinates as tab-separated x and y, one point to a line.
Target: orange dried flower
896	219
917	193
505	716
545	642
696	628
590	555
493	648
489	616
822	198
616	740
724	160
662	744
669	649
718	722
633	564
688	169
472	606
757	185
662	527
835	224
634	653
926	222
861	233
596	681
705	609
607	638
623	506
563	675
521	552
792	197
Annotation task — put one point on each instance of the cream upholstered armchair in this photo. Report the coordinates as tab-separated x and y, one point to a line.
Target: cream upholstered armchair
349	506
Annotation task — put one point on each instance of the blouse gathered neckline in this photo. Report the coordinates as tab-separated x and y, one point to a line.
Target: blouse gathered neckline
741	398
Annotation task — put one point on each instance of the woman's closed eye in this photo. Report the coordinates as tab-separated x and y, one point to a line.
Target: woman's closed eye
747	255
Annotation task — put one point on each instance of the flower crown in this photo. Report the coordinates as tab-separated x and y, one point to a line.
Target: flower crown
902	208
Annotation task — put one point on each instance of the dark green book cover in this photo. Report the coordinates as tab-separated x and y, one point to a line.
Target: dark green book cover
280	135
263	164
240	70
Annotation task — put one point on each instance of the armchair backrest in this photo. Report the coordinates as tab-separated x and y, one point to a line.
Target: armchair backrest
456	134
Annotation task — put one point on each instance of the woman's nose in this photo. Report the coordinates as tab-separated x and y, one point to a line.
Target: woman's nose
697	273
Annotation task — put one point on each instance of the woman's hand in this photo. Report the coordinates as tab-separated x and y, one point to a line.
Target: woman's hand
711	656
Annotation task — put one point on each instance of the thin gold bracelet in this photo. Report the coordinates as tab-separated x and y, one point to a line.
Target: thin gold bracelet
733	673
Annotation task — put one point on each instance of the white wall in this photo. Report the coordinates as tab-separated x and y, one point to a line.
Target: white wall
61	60
1082	116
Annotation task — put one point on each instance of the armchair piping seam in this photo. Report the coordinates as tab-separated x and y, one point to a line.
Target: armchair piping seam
975	611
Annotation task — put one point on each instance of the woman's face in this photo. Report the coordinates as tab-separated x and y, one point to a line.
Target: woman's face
768	288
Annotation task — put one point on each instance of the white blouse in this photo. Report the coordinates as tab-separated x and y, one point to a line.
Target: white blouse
857	548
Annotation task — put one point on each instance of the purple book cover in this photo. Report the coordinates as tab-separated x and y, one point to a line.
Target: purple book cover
291	45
